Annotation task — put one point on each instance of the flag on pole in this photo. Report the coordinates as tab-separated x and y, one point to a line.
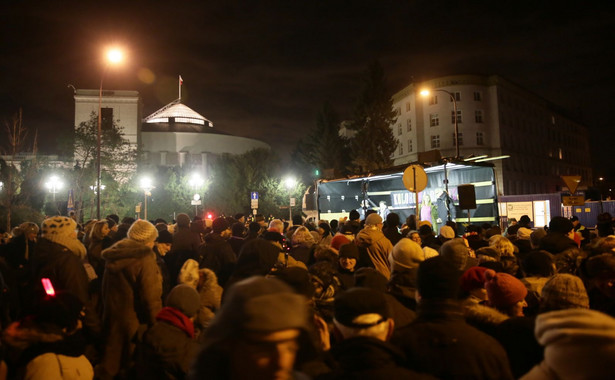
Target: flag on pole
181	81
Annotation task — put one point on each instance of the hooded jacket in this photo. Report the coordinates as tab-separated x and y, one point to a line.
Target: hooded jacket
132	291
378	248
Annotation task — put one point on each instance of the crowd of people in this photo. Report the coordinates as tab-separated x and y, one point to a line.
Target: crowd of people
355	298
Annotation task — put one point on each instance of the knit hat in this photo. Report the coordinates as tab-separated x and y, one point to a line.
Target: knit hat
142	231
165	236
60	230
356	302
219	225
185	299
258	304
438	278
349	250
473	278
579	343
503	290
373	219
564	291
447	232
406	255
524	233
456	252
338	241
183	220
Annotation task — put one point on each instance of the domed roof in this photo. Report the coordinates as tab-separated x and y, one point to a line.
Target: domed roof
177	112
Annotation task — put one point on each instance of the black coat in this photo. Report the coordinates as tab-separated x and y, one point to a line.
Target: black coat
216	254
441	343
369	358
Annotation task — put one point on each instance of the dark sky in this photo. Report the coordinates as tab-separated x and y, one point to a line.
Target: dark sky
262	69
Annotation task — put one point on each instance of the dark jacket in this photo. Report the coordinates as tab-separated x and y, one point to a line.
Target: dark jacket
556	243
439	342
216	254
166	352
132	296
185	240
66	272
392	234
369	358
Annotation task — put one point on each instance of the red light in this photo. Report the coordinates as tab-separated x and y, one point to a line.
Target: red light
209	216
48	287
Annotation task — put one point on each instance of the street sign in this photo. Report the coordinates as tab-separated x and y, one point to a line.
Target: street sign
292	202
572	181
415	178
196	202
254	195
573	200
254	200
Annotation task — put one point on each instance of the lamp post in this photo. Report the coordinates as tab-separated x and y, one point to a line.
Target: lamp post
147	186
425	93
290	184
196	182
114	56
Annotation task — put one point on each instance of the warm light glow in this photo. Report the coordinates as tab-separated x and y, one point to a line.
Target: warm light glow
290	182
53	184
424	92
115	55
146	183
196	181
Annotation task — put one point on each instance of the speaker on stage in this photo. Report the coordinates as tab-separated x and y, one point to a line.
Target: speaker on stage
467	197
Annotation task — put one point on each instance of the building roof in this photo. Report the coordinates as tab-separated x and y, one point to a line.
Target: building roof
176	112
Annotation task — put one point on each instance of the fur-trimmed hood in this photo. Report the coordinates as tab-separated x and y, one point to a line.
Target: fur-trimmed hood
116	256
23	335
478	314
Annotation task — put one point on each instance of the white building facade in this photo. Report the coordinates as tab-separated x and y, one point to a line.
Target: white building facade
494	118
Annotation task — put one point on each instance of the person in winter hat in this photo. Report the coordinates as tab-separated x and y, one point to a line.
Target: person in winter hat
169	346
505	293
49	342
563	291
132	295
62	230
259	332
378	247
579	344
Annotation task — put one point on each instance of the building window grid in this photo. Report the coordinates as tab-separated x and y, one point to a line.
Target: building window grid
408	107
456	95
399	129
460	136
478	116
401	149
458	117
434	120
409	145
435	141
479	138
433	100
477	96
409	125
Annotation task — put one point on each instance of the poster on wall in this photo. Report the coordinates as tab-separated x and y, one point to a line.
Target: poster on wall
518	209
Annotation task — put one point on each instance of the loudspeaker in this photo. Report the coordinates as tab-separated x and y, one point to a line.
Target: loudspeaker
467	197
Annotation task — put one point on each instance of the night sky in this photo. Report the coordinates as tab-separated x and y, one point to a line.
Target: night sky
262	69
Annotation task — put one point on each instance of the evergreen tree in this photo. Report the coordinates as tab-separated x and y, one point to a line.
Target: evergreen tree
374	142
324	148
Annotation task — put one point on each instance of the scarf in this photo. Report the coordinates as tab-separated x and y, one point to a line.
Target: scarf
176	318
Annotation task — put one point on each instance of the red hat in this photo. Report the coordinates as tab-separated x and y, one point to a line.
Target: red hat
338	241
473	278
503	290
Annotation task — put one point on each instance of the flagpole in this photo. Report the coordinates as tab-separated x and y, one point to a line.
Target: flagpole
180	87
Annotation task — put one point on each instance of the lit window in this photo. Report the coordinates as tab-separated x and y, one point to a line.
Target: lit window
479	138
434	121
408	125
477	96
435	141
458	116
478	116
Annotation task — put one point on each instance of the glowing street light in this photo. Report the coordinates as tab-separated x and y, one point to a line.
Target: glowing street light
147	185
290	184
113	56
426	92
196	182
54	184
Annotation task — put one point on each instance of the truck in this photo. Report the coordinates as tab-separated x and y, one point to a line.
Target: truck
384	191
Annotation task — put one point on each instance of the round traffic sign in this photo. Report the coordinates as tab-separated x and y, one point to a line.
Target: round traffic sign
415	178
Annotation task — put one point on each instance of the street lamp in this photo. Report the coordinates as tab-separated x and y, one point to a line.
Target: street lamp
147	186
54	184
196	182
113	56
425	93
290	184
